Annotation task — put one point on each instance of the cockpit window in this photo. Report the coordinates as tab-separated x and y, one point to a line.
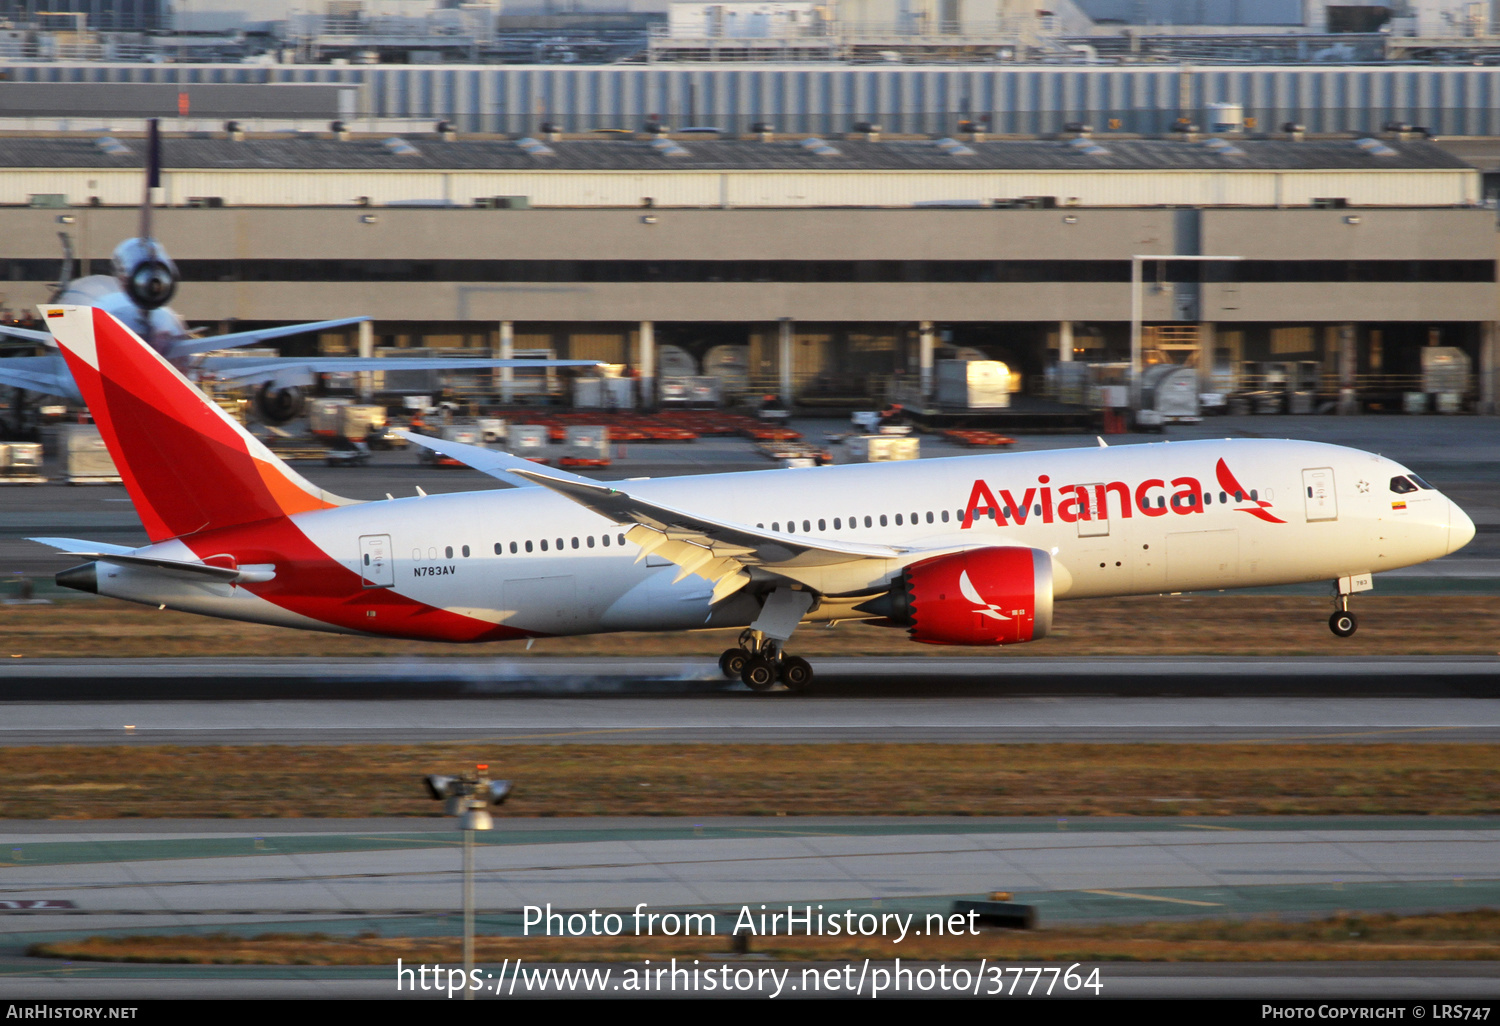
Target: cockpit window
1401	485
1421	483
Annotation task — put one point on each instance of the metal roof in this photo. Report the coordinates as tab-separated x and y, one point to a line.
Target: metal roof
431	153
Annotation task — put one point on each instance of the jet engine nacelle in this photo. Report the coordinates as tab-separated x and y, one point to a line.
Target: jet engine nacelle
145	272
278	405
991	596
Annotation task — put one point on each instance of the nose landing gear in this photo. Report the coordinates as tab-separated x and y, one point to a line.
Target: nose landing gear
759	662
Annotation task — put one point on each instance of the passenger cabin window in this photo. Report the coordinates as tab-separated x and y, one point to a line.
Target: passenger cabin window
528	546
513	547
544	544
466	552
448	552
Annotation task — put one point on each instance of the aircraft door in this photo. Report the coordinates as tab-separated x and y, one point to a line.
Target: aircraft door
1317	491
376	568
1092	519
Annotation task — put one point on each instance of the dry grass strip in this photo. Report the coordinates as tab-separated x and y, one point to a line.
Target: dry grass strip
1448	937
679	780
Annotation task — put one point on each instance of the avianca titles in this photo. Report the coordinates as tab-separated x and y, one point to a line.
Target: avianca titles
963	551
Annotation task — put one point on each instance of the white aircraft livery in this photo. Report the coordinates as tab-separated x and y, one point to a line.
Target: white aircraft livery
968	550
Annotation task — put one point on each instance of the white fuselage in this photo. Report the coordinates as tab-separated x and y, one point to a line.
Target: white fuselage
533	560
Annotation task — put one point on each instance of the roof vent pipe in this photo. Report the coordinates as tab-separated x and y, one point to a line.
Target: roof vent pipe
551	131
445	131
1078	129
1294	131
973	129
340	130
868	129
764	131
233	130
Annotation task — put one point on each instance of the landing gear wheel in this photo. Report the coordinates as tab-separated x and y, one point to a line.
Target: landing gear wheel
759	673
796	674
732	662
1343	623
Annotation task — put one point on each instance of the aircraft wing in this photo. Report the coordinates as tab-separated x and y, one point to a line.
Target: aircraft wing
494	462
37	374
236	368
29	334
720	551
235	339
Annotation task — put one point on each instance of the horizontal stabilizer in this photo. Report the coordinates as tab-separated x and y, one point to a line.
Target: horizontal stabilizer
238	575
72	546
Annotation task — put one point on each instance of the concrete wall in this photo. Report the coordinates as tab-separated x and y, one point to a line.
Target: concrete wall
338	233
952	234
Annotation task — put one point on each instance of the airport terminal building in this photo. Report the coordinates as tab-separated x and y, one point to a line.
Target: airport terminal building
827	268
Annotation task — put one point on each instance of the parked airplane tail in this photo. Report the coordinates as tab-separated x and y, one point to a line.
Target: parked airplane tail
187	466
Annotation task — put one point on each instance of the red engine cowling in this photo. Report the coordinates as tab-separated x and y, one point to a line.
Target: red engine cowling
993	596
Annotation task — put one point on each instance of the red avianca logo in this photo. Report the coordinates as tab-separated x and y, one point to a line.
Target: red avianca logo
1072	503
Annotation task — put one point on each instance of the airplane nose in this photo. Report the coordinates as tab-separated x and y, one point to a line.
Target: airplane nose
1460	527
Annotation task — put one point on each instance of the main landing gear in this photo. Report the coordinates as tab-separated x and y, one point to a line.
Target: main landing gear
760	663
1343	622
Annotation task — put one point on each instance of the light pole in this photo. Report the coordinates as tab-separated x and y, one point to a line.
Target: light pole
467	797
1136	302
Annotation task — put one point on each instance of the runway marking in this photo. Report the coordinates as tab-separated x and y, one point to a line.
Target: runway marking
1206	826
1157	897
571	867
1362	733
569	733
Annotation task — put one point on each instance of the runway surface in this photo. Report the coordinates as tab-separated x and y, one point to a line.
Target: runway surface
753	718
403	882
1000	674
558	700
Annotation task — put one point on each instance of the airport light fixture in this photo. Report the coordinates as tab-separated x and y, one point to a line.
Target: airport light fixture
468	798
1137	260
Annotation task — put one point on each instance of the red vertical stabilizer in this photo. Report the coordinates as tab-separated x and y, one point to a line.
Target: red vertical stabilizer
187	465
